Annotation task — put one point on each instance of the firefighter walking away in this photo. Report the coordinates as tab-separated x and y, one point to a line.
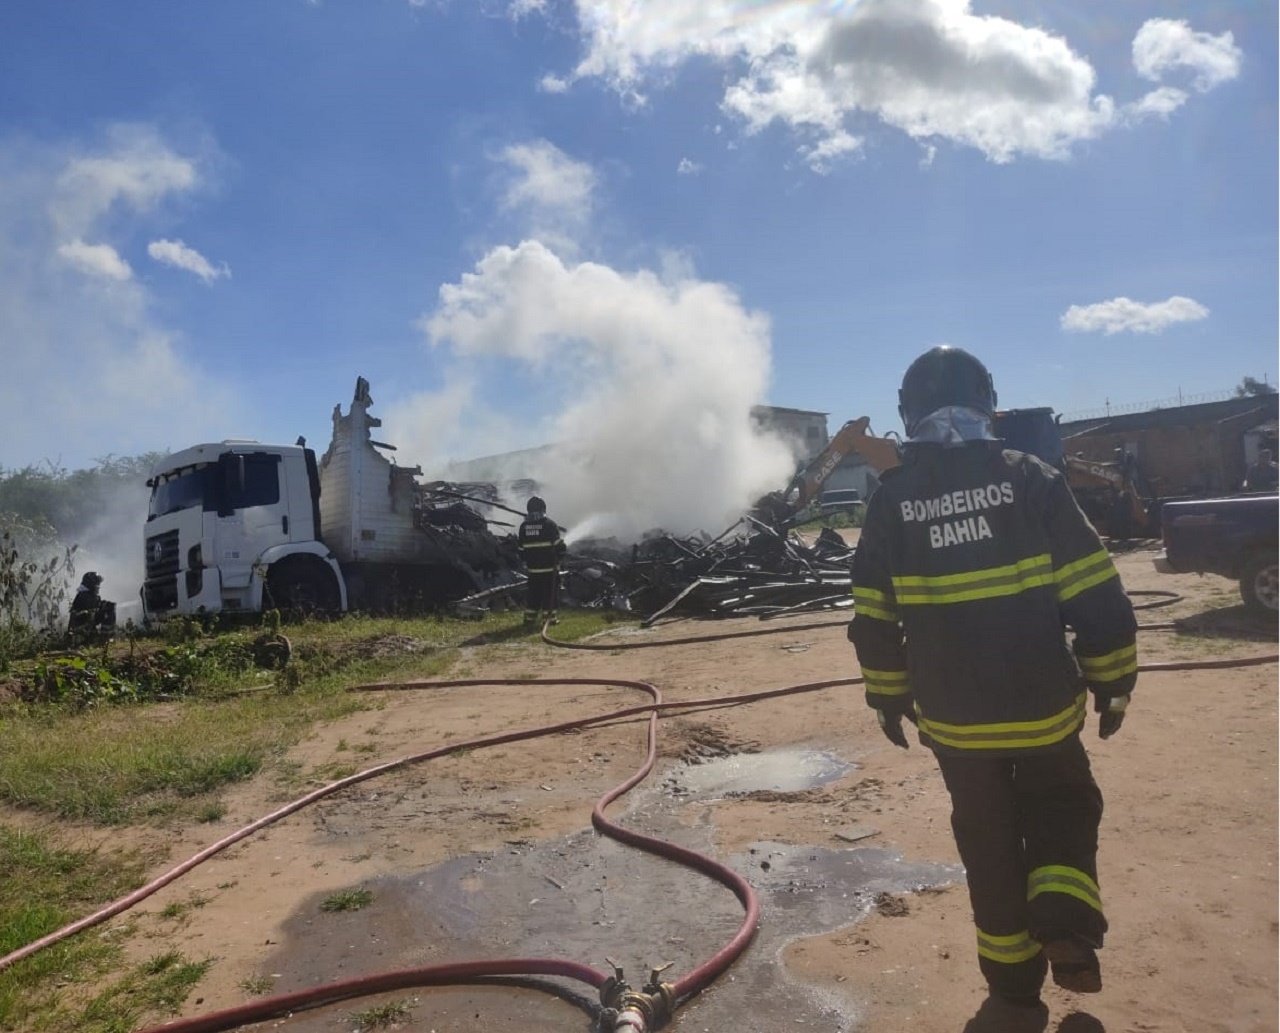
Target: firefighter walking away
973	562
541	549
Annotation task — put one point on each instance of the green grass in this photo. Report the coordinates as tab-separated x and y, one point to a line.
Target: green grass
157	987
382	1016
153	762
256	986
347	900
181	908
128	764
44	888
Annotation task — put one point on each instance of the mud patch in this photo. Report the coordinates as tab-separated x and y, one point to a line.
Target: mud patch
694	743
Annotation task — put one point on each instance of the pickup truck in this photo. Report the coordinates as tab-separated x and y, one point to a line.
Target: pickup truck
1235	537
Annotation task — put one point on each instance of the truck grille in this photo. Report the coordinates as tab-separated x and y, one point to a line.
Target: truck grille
162	554
160	595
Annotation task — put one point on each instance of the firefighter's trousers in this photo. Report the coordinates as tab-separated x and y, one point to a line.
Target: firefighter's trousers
541	592
1027	831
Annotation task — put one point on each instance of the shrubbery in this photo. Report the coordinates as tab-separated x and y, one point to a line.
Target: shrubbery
36	572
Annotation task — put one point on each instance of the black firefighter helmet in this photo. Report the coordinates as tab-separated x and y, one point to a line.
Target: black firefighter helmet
944	376
535	506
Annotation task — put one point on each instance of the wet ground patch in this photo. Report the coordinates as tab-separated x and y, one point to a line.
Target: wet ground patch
584	898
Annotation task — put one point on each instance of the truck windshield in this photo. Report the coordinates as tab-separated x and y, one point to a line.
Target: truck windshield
183	489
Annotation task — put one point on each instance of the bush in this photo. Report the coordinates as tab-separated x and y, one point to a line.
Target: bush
36	572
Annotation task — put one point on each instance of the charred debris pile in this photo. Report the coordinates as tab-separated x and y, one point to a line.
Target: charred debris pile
755	567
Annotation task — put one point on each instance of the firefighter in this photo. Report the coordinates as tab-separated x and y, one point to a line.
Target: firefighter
1263	474
541	549
90	616
972	562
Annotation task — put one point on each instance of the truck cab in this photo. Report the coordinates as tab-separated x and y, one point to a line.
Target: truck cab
222	519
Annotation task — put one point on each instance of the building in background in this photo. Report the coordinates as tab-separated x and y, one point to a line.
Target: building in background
804	430
1183	450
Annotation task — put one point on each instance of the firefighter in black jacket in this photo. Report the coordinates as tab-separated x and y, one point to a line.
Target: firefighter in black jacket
541	549
972	562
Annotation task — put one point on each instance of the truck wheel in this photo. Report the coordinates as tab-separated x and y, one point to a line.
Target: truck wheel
1260	584
301	588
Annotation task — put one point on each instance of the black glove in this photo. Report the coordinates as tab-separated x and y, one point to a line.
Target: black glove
1111	710
891	725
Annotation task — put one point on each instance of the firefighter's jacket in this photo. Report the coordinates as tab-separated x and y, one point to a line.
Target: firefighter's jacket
541	546
971	564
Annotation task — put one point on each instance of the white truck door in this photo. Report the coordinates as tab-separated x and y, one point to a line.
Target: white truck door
254	515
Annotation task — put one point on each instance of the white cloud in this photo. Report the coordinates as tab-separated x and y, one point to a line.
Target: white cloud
178	255
932	69
553	193
823	155
135	170
1123	315
547	179
1159	103
657	374
553	84
101	260
688	167
523	8
1163	45
88	351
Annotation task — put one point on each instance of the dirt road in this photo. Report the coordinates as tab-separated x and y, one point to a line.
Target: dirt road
865	923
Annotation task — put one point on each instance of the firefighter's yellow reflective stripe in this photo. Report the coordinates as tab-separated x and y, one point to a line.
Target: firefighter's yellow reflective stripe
868	602
1008	735
988	583
1008	950
1111	666
539	545
540	570
1084	573
1060	878
886	683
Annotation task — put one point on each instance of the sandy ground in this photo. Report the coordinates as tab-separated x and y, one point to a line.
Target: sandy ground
1188	858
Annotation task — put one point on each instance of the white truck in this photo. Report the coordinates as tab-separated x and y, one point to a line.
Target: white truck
240	526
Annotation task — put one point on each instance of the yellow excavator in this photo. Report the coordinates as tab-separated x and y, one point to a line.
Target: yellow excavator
799	501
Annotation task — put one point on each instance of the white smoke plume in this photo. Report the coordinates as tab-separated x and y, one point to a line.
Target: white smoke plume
657	374
111	544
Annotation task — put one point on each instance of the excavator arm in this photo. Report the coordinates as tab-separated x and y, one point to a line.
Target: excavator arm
880	453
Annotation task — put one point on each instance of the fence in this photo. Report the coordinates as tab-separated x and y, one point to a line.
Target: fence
1159	403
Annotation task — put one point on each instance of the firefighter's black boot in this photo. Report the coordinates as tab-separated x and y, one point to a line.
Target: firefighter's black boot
1074	964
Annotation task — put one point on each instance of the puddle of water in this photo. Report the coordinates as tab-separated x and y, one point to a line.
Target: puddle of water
786	771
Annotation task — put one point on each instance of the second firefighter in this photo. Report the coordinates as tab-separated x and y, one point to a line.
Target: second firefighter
541	549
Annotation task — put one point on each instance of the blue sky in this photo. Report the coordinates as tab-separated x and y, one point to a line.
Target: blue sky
525	221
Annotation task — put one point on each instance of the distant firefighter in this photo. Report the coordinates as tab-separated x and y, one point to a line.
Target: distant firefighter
1263	474
541	549
91	615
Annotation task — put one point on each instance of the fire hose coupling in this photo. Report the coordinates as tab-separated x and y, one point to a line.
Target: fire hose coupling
638	1011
